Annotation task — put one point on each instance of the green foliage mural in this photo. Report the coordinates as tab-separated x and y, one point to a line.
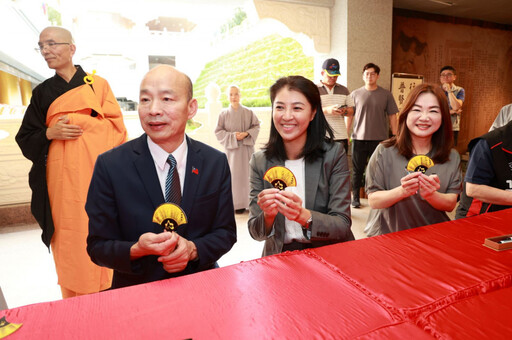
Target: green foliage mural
238	18
54	16
254	69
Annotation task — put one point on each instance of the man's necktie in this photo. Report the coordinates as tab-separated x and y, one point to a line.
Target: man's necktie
172	183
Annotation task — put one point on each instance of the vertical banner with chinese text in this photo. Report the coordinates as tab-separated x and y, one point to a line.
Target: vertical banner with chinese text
402	84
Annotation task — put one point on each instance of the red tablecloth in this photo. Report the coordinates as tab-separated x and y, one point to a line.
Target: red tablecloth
437	281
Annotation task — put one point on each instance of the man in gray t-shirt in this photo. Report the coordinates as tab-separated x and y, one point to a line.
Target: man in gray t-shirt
374	107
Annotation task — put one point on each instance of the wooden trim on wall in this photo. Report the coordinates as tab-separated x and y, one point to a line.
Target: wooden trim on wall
449	19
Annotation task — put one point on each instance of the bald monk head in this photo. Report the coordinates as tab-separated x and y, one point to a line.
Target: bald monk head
57	48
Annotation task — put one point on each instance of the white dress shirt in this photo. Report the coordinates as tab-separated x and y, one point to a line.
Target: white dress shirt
162	167
293	230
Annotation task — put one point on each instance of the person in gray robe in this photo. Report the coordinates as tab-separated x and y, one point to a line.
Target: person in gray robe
237	130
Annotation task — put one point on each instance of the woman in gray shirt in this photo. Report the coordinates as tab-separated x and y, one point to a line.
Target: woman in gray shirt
401	199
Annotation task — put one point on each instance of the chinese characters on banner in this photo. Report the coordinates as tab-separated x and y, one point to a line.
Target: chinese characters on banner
402	84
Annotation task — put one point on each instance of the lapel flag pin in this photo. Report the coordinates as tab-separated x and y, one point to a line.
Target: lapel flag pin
195	171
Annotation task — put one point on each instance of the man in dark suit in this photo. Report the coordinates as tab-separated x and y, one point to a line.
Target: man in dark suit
129	183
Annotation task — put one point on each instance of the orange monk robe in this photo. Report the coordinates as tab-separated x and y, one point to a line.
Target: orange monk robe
70	165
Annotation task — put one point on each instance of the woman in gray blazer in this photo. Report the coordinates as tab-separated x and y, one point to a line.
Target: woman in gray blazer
317	211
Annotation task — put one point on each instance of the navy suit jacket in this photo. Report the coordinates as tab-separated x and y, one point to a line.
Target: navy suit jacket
124	193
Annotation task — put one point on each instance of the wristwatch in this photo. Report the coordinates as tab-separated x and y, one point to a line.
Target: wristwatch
308	223
306	229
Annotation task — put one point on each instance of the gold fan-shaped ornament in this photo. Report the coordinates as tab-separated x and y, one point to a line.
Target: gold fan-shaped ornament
169	216
280	177
419	163
7	328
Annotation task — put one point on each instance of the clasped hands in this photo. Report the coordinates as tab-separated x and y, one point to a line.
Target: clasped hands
174	251
419	182
273	201
63	130
241	135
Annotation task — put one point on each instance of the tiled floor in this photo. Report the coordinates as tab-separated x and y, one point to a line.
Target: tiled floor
27	272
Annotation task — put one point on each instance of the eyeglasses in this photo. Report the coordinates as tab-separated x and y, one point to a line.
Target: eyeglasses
51	46
446	75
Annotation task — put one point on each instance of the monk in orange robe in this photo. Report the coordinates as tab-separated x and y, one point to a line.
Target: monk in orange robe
71	119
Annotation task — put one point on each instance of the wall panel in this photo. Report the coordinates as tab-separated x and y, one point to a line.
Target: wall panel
481	54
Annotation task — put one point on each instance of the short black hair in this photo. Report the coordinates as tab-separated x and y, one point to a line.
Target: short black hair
318	130
371	65
449	68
